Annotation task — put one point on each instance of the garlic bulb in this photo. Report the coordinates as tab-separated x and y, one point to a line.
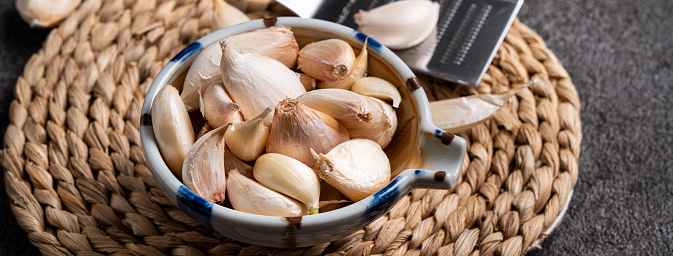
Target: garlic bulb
357	168
247	140
247	195
256	82
232	162
399	25
377	88
363	116
308	81
297	128
275	42
218	108
203	170
327	60
45	13
359	71
172	128
290	177
226	15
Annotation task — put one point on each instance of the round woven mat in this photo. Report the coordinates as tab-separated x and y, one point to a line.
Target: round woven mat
76	174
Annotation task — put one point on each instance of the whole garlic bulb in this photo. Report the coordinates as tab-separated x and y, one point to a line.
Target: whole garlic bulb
296	129
203	170
399	25
256	82
45	13
290	177
247	195
274	42
327	60
172	128
357	168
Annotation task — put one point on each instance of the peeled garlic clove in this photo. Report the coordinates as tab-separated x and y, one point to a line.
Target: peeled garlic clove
297	128
226	15
218	108
45	13
203	171
308	81
256	82
383	124
247	195
290	177
232	162
327	60
357	168
172	128
399	25
377	88
247	140
275	42
359	71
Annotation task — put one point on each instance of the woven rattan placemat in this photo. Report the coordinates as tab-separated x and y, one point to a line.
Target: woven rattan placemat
76	174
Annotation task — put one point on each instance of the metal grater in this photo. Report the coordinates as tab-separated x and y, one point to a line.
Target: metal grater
468	33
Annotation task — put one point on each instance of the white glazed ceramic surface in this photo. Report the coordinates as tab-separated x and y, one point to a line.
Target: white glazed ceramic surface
421	154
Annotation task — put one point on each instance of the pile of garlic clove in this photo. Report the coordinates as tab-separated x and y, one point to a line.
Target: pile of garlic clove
268	145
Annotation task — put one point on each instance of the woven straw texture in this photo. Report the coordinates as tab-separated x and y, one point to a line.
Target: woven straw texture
76	174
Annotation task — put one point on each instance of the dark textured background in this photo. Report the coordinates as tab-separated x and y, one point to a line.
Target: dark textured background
619	55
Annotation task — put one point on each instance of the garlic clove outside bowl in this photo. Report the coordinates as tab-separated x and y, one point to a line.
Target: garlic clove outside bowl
421	155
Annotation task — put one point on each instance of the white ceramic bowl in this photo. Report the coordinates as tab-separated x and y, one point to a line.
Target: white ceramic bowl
422	156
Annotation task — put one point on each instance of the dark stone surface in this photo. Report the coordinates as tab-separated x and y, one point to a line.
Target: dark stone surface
619	55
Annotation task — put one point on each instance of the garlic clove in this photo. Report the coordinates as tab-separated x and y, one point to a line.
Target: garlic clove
172	128
377	88
226	15
349	108
203	169
45	13
308	82
383	124
247	195
364	117
290	177
247	140
357	168
297	128
205	129
218	108
256	82
359	71
327	60
401	24
275	42
232	162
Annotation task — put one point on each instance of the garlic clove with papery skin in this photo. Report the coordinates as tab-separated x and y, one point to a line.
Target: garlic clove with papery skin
297	128
308	82
275	42
383	124
45	13
247	195
359	71
357	168
218	108
327	60
290	177
256	82
172	128
203	170
399	25
232	162
377	88
247	140
225	15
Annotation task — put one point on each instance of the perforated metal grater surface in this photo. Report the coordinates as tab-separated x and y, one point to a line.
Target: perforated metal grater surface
466	37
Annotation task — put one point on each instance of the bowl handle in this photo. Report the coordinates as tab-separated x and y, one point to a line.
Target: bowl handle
442	154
